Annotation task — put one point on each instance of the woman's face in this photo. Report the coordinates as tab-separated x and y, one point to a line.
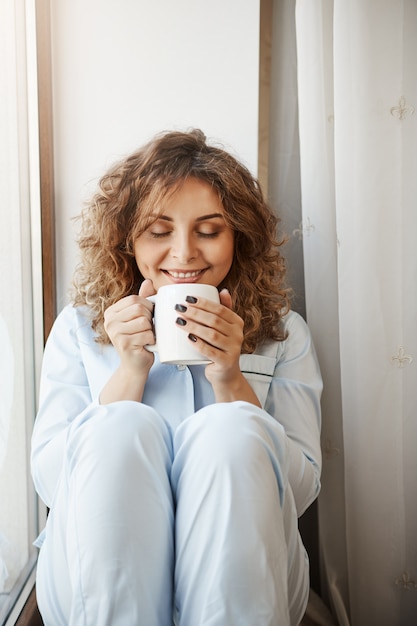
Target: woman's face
189	242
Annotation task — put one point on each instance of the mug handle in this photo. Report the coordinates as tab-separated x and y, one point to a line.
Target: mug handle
153	347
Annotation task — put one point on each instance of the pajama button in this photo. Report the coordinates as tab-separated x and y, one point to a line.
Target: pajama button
181	367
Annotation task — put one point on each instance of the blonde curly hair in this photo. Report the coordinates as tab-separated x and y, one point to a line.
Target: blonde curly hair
121	210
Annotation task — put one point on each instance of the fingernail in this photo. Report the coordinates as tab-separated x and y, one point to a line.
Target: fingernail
181	308
191	299
192	337
180	321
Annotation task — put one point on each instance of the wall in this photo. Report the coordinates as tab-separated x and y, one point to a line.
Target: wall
123	71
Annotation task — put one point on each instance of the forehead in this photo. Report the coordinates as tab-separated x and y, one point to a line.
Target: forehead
191	197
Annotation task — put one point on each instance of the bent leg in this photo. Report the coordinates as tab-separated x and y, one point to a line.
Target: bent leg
239	558
108	553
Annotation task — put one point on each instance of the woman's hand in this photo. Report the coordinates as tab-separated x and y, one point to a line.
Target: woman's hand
128	324
217	332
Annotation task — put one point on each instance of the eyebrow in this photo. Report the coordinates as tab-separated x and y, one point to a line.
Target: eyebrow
203	218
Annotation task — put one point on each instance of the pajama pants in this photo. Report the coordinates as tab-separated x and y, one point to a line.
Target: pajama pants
193	527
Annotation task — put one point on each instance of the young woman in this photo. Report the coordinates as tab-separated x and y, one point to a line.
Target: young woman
174	491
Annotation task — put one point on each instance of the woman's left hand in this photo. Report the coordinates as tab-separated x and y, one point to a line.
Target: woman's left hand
217	333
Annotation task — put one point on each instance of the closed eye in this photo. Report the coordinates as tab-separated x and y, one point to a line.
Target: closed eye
208	235
156	235
159	235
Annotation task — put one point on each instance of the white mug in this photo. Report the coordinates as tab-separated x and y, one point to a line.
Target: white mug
172	341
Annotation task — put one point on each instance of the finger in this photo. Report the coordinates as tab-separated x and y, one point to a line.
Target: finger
218	316
197	308
225	298
128	301
214	329
215	338
134	326
133	309
147	289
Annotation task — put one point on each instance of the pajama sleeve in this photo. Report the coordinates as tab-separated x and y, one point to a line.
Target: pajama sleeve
294	401
64	395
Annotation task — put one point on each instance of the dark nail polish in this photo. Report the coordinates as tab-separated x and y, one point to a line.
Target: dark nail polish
181	308
192	337
180	321
191	299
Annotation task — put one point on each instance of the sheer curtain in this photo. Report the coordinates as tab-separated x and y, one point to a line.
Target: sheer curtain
356	68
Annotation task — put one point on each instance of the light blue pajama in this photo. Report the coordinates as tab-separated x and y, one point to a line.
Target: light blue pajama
176	506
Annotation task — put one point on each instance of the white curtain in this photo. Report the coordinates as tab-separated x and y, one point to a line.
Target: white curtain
357	82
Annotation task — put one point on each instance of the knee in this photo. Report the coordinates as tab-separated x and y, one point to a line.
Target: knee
114	430
223	429
235	440
231	432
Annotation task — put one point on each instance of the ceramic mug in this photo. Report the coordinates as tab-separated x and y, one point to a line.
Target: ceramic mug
172	343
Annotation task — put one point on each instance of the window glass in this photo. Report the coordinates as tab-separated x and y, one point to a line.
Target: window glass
20	307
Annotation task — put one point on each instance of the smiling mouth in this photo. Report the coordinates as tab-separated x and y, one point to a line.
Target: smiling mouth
182	275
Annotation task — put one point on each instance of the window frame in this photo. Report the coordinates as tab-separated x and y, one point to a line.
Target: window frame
24	611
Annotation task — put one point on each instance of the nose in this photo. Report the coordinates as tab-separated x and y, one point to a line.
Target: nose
184	248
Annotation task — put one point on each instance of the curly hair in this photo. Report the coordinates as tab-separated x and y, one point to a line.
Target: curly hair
121	210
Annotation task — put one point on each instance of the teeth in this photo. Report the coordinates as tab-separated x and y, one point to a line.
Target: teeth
184	274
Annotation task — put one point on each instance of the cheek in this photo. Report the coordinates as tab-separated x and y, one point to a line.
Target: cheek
143	254
227	251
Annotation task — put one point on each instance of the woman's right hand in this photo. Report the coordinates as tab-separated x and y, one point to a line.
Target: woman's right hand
128	324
